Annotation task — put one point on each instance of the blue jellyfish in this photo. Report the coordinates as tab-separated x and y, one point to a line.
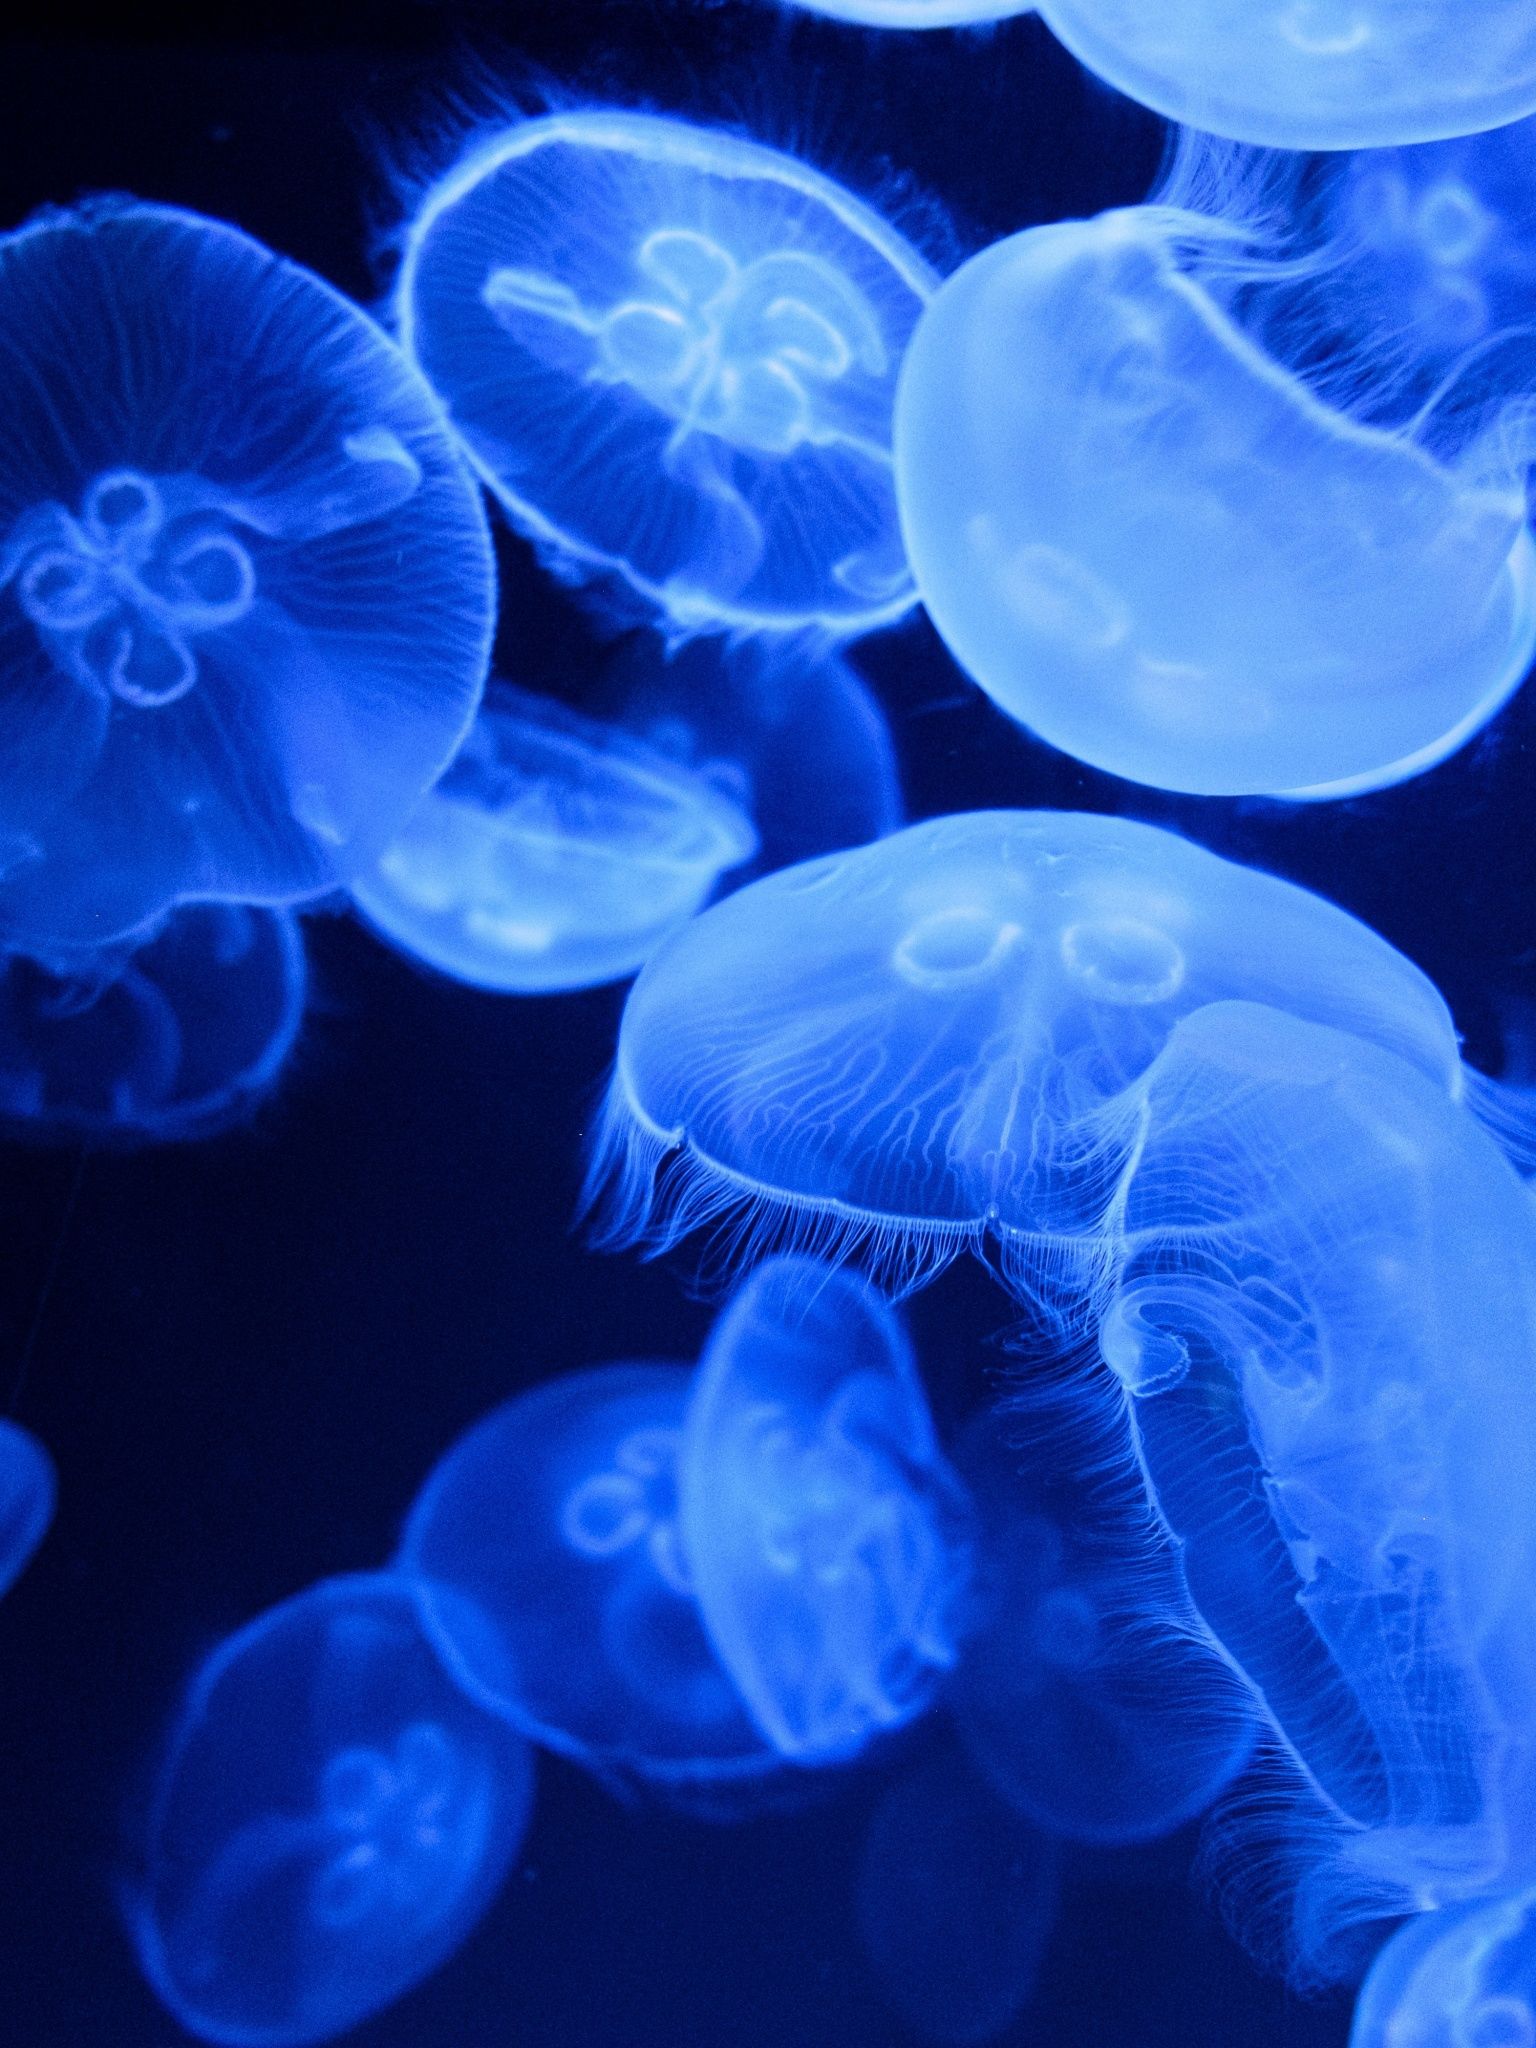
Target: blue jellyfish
246	587
917	13
180	1038
332	1819
28	1489
828	1539
555	853
557	1586
1464	1977
1170	530
672	355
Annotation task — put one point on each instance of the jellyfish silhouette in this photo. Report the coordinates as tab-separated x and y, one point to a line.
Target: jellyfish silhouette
558	1589
917	13
180	1038
1464	1977
554	854
1168	528
332	1819
827	1538
28	1489
672	355
246	587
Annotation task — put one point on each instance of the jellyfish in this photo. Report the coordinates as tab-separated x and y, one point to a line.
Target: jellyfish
558	1589
332	1819
827	1537
1464	1977
917	13
1167	527
28	1489
672	355
179	1038
556	853
246	586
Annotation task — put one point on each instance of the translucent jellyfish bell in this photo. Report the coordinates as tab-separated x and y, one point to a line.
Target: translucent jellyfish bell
332	1819
28	1489
246	587
672	354
1177	558
828	1539
558	1588
554	854
1464	1977
917	13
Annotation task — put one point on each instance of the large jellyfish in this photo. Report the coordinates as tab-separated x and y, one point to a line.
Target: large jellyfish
332	1818
828	1540
672	354
555	853
246	586
1169	529
28	1489
1464	1977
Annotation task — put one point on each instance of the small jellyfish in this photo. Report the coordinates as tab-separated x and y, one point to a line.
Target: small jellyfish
28	1489
1165	526
672	354
828	1539
917	13
558	1589
331	1821
554	854
1464	1977
246	586
180	1038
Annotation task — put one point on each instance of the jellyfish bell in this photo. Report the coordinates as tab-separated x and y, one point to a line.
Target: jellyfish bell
917	13
1463	1977
672	354
28	1491
332	1818
555	853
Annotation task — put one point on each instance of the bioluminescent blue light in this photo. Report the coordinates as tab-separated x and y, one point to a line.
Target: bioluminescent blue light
332	1818
554	854
828	1541
180	1038
557	1587
1321	1302
917	13
28	1490
246	586
1464	1977
1313	74
882	1053
1186	559
672	354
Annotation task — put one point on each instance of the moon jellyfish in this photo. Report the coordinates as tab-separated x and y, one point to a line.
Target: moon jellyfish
554	854
917	13
1464	1977
332	1819
1321	1301
558	1589
246	587
178	1039
28	1489
672	354
827	1537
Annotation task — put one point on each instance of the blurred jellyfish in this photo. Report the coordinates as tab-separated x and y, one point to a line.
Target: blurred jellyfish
332	1819
557	1587
181	1038
555	853
828	1540
1169	527
672	354
28	1489
246	586
917	13
1464	1977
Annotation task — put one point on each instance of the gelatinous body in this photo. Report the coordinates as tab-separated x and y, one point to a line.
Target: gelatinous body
178	1039
1313	74
1464	1977
554	854
672	354
828	1539
28	1489
246	588
558	1588
332	1818
917	13
1167	554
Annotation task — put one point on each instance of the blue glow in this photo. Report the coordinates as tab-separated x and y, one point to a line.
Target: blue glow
557	1586
28	1490
916	13
828	1538
1161	546
246	586
1461	1978
178	1039
556	853
672	354
332	1819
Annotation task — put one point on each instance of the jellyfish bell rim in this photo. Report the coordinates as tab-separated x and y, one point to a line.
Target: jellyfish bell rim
40	1490
917	14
